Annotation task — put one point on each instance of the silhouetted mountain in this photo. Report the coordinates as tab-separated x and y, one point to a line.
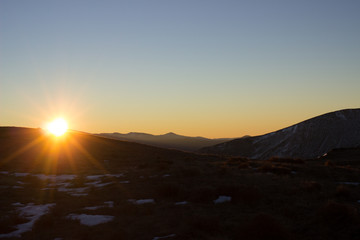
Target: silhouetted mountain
168	140
309	139
28	149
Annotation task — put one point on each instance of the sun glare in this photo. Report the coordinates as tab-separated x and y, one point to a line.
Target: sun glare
57	127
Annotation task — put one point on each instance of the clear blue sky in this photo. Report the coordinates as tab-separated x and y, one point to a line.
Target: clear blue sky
199	67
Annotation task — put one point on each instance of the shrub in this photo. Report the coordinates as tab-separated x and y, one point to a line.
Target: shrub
329	163
170	191
287	160
79	181
207	224
265	227
143	165
163	165
189	172
237	161
281	170
8	223
337	215
277	169
244	165
343	191
203	195
311	186
248	195
266	167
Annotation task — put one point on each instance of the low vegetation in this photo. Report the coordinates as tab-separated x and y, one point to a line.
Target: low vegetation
172	195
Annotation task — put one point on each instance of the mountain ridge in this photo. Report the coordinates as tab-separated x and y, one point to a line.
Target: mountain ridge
168	140
310	138
28	149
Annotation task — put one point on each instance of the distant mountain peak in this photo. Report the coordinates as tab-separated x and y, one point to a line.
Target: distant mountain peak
168	140
171	134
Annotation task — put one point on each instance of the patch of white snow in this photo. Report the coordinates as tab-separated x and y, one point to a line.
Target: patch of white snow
108	204
32	213
21	174
168	236
222	199
91	220
141	201
349	183
98	184
17	204
94	177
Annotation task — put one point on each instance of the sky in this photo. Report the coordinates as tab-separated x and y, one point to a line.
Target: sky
194	67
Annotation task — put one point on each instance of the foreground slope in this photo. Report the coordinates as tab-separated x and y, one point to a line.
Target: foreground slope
120	190
309	139
27	149
169	140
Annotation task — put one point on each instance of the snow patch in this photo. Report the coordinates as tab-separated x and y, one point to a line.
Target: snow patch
76	192
32	213
98	184
56	178
21	174
108	204
94	177
97	177
222	199
181	203
141	201
17	204
91	220
115	175
168	236
349	183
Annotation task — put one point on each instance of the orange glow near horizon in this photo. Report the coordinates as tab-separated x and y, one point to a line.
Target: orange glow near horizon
57	127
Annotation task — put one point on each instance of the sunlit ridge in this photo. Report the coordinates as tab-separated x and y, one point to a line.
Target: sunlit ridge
57	127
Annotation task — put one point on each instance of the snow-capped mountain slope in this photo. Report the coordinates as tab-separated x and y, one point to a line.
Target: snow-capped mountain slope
309	139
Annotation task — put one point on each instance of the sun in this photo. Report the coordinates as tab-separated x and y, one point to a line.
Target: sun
57	127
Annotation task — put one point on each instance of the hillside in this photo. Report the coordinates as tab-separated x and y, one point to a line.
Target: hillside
309	139
86	187
26	149
169	140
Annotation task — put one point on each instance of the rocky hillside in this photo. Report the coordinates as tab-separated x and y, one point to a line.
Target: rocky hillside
308	139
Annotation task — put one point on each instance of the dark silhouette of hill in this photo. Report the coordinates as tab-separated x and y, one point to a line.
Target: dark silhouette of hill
308	139
169	140
29	149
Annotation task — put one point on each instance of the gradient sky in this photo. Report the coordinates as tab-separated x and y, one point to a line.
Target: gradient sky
195	67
